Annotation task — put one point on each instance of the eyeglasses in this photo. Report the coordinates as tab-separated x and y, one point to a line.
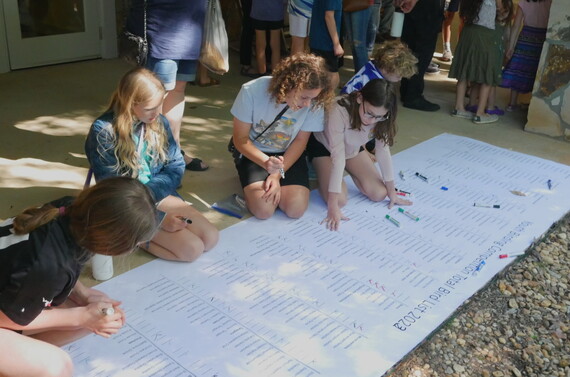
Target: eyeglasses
378	118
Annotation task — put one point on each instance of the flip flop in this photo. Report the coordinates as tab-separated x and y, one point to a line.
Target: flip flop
196	165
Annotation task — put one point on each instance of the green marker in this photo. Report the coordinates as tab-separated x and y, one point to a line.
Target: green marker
410	215
393	220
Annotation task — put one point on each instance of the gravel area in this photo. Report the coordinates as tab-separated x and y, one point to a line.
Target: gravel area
518	325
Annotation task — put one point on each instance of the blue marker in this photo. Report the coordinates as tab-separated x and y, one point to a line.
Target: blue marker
549	183
479	267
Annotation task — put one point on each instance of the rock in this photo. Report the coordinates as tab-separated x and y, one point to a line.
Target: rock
516	372
513	303
458	368
498	373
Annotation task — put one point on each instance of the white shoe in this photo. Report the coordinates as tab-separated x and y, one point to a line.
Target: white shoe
447	56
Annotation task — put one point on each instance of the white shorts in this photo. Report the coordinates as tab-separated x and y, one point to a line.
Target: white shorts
299	25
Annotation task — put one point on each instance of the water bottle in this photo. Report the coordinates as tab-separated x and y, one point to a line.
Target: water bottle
102	266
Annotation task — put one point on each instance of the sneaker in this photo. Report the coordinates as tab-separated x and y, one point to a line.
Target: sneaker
432	68
446	57
461	114
484	119
421	104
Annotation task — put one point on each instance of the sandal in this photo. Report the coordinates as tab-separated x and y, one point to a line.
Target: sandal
495	111
249	72
196	165
461	114
484	119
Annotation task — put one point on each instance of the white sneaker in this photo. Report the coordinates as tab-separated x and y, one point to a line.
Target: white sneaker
447	56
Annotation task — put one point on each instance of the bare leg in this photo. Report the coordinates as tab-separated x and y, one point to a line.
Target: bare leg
259	207
297	45
484	90
22	356
275	43
334	79
366	177
173	108
294	200
460	90
260	43
187	244
323	167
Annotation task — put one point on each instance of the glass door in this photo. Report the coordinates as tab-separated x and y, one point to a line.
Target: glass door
41	32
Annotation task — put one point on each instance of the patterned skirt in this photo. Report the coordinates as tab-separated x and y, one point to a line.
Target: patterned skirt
520	71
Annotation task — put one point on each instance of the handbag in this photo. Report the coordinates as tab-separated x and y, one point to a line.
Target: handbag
355	5
214	50
134	48
232	147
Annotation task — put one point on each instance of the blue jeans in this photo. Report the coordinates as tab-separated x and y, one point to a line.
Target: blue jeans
373	26
356	27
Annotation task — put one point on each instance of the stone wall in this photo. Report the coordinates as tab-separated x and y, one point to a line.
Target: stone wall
549	110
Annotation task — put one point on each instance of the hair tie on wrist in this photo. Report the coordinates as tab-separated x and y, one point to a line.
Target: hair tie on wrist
61	211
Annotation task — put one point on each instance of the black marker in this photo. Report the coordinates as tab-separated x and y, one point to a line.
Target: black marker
421	177
185	219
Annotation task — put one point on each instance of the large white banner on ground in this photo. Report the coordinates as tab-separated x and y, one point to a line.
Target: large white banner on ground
285	297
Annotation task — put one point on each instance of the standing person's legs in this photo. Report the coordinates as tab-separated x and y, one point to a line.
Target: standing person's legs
260	58
420	35
174	75
481	117
446	36
373	23
386	17
246	38
275	43
356	27
298	28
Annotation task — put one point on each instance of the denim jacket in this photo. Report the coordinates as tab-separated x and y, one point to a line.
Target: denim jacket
100	151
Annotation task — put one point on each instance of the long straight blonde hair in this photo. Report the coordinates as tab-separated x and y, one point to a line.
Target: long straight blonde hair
137	86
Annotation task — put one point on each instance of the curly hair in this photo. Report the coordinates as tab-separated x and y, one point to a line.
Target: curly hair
137	86
395	57
469	10
300	72
378	93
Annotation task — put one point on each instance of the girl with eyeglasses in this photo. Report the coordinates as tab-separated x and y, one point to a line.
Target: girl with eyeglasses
353	120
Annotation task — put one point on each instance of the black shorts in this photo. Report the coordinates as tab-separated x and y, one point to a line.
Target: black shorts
249	172
316	149
266	25
332	62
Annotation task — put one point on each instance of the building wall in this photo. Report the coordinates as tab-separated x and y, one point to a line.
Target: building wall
549	110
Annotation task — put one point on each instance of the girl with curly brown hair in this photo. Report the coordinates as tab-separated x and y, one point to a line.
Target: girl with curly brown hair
273	119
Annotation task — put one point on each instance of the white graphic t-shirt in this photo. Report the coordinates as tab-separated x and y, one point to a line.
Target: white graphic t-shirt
254	105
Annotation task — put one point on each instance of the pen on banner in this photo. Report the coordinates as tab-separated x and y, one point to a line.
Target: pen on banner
393	220
503	256
409	214
479	267
108	311
423	178
185	219
549	183
403	193
282	172
486	205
